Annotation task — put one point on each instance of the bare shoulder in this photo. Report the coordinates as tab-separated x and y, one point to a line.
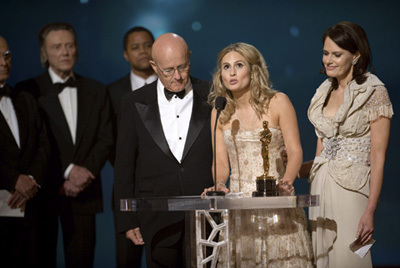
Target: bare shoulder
279	101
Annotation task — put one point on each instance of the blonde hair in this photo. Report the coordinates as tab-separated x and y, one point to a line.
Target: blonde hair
260	86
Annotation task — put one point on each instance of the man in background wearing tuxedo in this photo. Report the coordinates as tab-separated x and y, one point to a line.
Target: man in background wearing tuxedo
24	151
163	149
137	44
77	113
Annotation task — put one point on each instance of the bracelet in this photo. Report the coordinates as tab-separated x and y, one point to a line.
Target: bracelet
221	182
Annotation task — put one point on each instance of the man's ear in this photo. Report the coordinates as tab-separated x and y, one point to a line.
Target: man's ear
154	66
126	56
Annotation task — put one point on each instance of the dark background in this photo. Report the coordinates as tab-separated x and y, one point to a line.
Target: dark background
288	34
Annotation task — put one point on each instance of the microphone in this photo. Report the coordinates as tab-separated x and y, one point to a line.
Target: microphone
220	103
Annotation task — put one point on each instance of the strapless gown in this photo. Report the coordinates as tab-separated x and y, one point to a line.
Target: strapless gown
267	237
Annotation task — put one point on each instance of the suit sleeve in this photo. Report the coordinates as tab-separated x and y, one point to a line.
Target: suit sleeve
125	164
102	147
39	163
114	113
33	156
9	176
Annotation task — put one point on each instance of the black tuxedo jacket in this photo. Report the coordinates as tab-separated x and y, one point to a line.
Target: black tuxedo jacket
32	155
145	166
117	90
93	135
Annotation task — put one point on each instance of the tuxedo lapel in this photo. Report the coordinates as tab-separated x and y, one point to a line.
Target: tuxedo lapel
150	115
126	85
85	104
51	104
21	112
200	115
6	131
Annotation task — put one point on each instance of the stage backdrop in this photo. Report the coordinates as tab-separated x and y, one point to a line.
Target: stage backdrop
288	33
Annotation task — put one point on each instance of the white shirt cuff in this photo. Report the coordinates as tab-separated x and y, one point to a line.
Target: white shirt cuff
38	185
68	170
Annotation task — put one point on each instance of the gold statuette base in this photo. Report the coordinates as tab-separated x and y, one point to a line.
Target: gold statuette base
266	186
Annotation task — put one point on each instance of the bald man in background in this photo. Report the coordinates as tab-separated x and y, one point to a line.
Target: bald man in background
24	152
163	149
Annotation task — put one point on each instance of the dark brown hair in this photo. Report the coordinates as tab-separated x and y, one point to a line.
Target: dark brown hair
351	37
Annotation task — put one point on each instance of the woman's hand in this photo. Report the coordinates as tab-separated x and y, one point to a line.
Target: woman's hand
365	227
285	187
220	187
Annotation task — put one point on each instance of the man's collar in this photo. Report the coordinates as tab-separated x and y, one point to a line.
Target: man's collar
55	78
136	78
188	86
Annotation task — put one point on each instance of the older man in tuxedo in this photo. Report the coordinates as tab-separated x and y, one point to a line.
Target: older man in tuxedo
137	44
24	151
163	149
77	113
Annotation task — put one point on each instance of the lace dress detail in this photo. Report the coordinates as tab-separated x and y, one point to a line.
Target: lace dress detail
269	237
379	104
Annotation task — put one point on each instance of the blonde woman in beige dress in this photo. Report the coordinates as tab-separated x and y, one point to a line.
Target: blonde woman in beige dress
351	113
266	238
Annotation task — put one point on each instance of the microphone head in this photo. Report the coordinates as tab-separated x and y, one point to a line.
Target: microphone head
220	103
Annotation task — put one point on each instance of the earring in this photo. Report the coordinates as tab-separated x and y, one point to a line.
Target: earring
355	61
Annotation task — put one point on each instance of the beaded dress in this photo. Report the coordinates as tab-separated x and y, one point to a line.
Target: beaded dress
266	237
340	174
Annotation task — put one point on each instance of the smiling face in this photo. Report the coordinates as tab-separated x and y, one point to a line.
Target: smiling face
235	72
60	49
337	61
5	62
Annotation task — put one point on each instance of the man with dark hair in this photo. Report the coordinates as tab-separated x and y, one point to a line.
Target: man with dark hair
24	151
163	149
77	114
137	44
136	29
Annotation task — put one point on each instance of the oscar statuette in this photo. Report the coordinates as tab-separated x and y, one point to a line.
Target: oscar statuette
265	184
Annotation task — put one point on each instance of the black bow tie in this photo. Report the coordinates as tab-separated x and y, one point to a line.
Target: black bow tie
170	94
58	87
5	90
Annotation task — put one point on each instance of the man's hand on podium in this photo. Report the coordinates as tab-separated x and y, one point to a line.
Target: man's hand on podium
135	236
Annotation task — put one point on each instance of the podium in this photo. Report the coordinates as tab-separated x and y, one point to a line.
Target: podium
211	218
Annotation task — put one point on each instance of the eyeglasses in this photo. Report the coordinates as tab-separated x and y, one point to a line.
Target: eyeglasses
6	55
170	71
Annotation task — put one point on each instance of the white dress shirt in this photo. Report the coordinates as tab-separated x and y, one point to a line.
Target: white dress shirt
7	109
175	118
69	104
138	82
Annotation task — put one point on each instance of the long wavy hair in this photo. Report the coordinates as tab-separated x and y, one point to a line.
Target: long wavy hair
261	90
351	37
